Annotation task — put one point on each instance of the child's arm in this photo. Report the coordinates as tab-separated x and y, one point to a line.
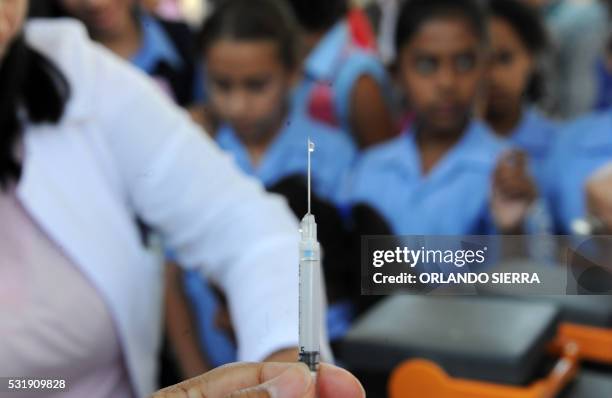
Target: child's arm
180	326
370	118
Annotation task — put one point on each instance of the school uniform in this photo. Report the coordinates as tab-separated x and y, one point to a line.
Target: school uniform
453	198
583	146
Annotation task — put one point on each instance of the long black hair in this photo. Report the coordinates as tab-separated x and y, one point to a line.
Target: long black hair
529	26
32	89
47	9
318	15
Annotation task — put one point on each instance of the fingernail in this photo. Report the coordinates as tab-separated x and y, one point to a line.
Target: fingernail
293	382
194	392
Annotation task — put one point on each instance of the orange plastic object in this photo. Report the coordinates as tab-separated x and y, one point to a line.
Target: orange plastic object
419	378
594	344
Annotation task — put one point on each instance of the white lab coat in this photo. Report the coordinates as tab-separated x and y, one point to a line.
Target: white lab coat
122	150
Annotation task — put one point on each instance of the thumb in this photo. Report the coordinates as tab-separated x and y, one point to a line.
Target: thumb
291	381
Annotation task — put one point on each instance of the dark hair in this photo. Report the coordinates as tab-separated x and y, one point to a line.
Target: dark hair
318	15
415	13
47	9
529	26
32	89
253	20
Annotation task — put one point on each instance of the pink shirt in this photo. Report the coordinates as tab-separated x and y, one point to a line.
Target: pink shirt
53	322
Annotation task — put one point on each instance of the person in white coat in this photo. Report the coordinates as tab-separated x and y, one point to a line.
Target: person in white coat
87	146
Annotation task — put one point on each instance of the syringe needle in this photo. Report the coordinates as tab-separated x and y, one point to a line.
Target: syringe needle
311	148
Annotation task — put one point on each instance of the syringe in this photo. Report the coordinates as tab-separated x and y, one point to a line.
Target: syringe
310	291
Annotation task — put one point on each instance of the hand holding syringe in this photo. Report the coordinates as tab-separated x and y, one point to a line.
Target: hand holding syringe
310	285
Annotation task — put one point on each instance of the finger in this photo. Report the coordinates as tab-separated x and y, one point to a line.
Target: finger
223	381
505	172
336	382
512	188
512	170
514	194
331	382
515	172
511	180
293	381
515	180
523	185
511	196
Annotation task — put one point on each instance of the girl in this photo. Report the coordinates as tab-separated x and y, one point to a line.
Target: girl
518	40
250	53
436	177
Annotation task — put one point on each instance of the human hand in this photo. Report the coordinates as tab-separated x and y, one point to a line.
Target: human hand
513	192
267	380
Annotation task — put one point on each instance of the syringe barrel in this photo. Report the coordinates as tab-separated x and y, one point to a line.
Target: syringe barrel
310	304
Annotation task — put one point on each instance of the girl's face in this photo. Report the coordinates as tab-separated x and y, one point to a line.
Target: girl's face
510	70
441	69
12	15
103	18
249	85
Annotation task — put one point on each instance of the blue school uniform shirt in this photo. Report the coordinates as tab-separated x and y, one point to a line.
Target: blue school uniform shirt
453	198
331	161
330	73
583	146
535	135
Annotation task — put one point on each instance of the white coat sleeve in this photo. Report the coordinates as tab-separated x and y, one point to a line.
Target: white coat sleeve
207	211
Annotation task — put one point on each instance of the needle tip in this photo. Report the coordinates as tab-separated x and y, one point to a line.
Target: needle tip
311	146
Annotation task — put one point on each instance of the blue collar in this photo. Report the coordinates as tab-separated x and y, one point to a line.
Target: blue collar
322	62
472	146
478	147
227	138
156	46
